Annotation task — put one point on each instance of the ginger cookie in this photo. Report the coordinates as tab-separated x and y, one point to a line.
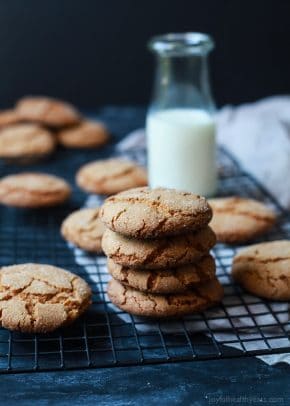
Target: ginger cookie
110	176
47	111
264	269
174	305
158	253
38	298
84	229
9	117
87	134
154	213
174	280
236	219
32	190
25	142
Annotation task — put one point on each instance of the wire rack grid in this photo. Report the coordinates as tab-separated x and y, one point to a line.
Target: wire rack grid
242	325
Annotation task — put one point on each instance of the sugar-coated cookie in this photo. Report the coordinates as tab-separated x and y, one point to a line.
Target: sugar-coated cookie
25	141
110	176
175	305
264	269
237	219
154	213
33	190
167	252
9	117
38	298
84	229
87	134
47	111
164	281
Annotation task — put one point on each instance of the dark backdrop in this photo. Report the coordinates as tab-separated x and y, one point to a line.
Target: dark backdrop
93	52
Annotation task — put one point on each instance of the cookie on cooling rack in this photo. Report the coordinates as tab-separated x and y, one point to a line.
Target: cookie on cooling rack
164	281
154	213
236	219
110	176
33	190
25	142
158	253
174	305
84	229
264	269
47	111
87	134
9	117
38	298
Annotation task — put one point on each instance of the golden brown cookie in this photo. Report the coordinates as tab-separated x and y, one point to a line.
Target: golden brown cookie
9	117
38	298
87	134
153	305
264	269
110	176
164	281
167	252
47	111
25	141
84	229
236	219
33	190
154	213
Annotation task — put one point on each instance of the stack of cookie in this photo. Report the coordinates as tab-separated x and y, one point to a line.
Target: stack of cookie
158	242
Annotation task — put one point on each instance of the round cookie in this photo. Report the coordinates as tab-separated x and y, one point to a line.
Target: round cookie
264	269
38	298
154	213
236	219
159	253
87	134
177	305
47	111
110	176
9	117
25	141
84	229
33	190
174	280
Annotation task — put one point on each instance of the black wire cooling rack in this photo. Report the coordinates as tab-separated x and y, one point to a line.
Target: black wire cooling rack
242	325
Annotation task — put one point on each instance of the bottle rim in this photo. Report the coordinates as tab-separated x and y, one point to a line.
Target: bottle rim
179	44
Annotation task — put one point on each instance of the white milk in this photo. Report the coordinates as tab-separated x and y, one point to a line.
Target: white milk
181	150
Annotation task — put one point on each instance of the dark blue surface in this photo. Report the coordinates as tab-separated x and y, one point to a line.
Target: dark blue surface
207	382
198	383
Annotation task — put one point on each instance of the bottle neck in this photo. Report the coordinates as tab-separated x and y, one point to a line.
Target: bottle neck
182	82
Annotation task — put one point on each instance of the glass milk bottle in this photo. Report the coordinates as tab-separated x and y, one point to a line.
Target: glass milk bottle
180	127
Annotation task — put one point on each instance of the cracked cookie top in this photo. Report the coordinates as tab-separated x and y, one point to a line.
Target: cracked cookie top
33	190
36	298
84	229
237	219
153	213
174	305
87	134
174	280
47	111
264	269
110	176
167	252
25	140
